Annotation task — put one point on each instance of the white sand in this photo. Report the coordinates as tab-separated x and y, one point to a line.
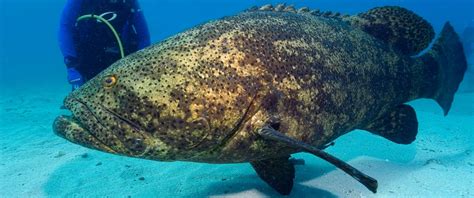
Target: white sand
36	163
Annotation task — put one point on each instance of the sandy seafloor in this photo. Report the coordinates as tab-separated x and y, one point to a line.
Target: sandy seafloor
36	163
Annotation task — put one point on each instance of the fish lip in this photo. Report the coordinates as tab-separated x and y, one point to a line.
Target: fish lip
57	125
68	102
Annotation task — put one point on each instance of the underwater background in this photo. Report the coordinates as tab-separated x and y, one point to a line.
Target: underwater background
36	163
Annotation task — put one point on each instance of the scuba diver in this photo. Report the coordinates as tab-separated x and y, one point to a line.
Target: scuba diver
93	34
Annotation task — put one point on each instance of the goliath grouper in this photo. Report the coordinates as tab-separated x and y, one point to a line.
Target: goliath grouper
267	83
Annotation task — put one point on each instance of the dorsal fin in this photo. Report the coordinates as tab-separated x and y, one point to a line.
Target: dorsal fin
303	10
396	26
280	7
291	9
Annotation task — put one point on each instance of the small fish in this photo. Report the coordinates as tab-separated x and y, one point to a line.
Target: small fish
265	84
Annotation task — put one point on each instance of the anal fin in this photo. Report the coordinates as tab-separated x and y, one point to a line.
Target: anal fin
399	126
276	172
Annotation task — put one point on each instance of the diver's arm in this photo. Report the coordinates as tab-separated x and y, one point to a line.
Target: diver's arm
140	27
66	29
66	41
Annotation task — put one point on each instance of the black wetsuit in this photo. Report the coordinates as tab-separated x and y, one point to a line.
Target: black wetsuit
89	46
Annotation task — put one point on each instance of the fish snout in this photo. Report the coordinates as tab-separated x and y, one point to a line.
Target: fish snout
59	126
63	123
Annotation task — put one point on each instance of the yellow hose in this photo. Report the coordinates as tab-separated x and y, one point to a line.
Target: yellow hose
119	41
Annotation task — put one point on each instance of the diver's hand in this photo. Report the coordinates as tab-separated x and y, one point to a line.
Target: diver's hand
74	78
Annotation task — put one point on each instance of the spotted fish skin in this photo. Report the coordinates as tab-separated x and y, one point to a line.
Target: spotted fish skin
202	95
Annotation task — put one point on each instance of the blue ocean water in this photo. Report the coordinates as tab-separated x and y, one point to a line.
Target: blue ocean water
29	51
36	163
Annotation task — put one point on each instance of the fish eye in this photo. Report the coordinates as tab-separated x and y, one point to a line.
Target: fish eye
110	81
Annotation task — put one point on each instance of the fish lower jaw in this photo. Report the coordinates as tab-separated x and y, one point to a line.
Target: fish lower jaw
70	128
60	125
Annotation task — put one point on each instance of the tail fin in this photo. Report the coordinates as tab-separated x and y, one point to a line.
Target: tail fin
447	57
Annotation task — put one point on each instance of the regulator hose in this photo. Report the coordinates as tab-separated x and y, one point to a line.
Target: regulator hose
105	21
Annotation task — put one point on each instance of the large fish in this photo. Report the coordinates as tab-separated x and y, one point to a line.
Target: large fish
267	83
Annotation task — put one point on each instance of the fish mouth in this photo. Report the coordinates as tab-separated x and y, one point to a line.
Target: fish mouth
86	128
72	129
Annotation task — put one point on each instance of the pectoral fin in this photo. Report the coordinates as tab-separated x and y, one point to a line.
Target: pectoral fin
277	172
272	134
399	126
